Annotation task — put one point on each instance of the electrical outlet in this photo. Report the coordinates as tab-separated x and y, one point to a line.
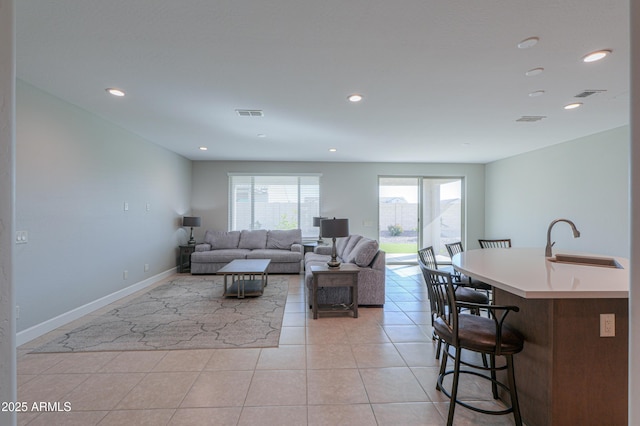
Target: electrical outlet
17	311
146	267
607	325
126	206
125	274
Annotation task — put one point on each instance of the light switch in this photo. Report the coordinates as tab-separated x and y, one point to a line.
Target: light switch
126	206
22	237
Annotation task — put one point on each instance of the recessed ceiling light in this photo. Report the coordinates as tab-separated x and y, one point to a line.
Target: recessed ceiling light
203	148
529	42
534	71
332	149
536	93
262	135
573	106
354	98
115	92
596	56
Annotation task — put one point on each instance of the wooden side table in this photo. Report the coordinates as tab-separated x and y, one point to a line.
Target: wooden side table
309	247
344	276
184	265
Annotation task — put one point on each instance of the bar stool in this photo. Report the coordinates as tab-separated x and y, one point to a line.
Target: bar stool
486	336
427	260
500	243
455	248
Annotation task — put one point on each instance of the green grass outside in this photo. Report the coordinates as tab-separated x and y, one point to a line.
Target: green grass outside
399	247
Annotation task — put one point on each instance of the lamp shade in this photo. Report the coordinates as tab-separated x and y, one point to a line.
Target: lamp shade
317	220
191	221
334	228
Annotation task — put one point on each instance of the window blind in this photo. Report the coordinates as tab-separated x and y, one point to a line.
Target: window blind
274	202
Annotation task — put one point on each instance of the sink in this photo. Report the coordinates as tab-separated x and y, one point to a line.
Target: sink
604	262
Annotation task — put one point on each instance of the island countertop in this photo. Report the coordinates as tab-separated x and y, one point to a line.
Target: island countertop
527	273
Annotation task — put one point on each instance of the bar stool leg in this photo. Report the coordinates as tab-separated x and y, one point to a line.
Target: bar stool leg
454	389
512	390
443	365
494	386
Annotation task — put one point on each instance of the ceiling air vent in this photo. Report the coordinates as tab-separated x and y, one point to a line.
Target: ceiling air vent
589	92
531	118
250	112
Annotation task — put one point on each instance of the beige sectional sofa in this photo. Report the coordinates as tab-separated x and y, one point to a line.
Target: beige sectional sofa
283	247
361	251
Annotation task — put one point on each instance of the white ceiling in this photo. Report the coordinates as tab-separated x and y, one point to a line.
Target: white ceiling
443	81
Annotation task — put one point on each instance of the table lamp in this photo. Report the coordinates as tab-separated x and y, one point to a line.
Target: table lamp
334	228
192	222
316	224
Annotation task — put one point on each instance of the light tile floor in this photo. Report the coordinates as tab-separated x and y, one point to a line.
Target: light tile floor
378	369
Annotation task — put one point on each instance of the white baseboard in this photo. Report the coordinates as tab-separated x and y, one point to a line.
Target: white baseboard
38	330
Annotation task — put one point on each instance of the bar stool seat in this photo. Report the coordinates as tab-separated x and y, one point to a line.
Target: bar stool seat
478	334
465	294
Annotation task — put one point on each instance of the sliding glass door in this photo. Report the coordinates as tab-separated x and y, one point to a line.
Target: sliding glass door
442	218
416	212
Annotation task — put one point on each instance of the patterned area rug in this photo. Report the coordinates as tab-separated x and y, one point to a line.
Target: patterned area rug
188	312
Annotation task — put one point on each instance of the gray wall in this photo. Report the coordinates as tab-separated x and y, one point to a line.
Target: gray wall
585	180
634	297
7	210
75	171
348	190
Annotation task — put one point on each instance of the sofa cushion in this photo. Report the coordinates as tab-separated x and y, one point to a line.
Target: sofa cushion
316	257
222	239
275	255
256	239
363	253
283	239
219	256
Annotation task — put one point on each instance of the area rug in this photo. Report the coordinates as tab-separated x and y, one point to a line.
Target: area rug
188	312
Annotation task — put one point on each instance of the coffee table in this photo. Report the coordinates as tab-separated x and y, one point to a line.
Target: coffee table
248	277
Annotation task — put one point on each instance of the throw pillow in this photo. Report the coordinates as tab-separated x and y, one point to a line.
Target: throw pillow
364	252
283	239
256	239
222	239
341	243
351	244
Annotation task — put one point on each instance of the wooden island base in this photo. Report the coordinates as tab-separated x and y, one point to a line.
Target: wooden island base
567	374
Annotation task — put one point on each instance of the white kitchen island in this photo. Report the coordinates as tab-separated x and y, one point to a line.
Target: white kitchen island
567	374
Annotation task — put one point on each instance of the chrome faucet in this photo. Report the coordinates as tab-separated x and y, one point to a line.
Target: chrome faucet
576	234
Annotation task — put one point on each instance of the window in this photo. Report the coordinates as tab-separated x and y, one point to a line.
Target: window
274	202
